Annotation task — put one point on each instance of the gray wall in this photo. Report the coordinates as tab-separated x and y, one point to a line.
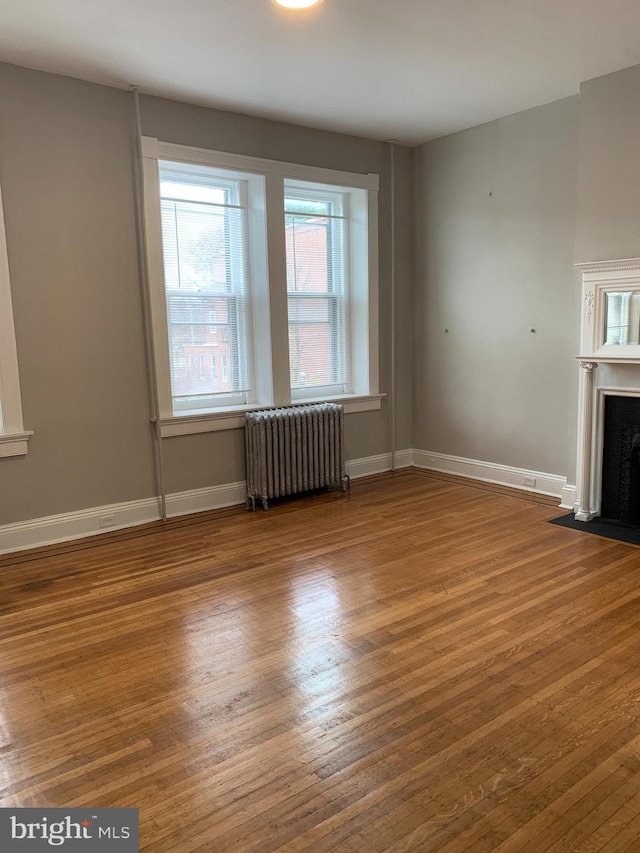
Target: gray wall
65	168
608	220
495	221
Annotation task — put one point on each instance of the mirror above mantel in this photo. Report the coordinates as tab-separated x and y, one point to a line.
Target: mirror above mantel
610	325
621	318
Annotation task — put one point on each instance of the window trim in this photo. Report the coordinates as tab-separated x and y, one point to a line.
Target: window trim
233	418
270	320
155	149
13	436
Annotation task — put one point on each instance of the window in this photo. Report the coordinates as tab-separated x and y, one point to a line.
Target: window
13	437
316	236
204	239
272	267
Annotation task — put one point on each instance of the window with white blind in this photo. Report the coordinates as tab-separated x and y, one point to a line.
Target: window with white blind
13	436
207	292
263	280
318	275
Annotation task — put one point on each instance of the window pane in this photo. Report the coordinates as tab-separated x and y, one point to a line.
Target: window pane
204	242
308	262
199	244
311	329
303	205
195	343
192	192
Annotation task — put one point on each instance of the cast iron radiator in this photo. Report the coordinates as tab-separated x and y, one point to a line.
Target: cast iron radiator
294	449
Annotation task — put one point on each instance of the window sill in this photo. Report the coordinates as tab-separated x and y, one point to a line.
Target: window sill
234	418
14	443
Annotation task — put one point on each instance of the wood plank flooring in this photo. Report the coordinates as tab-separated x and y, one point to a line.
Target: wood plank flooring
420	665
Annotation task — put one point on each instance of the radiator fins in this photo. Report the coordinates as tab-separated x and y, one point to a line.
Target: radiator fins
294	449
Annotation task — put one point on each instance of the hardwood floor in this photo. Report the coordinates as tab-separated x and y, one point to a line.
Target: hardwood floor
421	665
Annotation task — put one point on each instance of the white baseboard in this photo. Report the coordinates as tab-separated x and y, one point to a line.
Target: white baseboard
76	525
569	498
378	464
536	482
87	522
201	500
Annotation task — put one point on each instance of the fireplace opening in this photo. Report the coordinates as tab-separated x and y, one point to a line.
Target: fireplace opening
621	460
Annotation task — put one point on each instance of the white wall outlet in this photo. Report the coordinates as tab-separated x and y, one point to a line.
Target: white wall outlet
529	482
107	520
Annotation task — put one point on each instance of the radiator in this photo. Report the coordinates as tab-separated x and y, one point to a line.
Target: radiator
294	449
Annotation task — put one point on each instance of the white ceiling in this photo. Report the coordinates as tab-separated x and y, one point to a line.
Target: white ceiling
405	69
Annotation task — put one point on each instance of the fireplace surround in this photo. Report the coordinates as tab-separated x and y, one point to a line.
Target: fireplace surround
608	469
621	460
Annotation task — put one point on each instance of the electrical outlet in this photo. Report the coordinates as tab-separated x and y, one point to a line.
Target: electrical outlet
106	521
529	482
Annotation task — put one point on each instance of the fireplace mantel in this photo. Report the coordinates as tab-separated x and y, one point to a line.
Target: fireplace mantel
604	359
609	364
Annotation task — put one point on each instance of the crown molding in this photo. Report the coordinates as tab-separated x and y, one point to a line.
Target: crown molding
609	266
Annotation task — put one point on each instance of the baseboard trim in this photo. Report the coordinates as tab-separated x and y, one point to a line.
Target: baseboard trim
569	498
65	527
201	500
536	482
76	525
357	468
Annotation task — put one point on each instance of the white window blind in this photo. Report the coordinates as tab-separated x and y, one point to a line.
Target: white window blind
204	236
317	244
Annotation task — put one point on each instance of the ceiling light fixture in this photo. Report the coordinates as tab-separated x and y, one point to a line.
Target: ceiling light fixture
298	4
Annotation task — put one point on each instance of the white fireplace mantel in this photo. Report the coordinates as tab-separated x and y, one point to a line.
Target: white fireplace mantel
604	369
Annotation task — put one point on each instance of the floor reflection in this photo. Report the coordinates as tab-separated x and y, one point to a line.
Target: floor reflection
320	658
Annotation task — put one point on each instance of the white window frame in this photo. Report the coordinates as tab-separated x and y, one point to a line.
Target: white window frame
13	436
341	198
245	186
265	181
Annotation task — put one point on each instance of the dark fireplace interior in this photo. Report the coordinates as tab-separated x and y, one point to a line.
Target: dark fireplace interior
621	460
